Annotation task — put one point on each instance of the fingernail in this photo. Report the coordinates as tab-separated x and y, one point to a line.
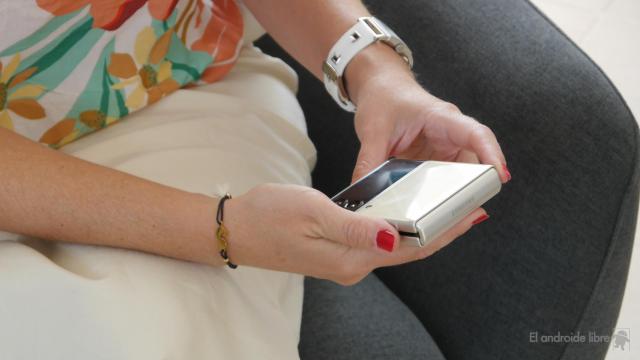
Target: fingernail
385	240
480	219
506	171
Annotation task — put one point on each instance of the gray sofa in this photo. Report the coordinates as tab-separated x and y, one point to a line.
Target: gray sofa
554	256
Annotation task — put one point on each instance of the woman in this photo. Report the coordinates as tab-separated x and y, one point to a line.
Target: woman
136	50
148	183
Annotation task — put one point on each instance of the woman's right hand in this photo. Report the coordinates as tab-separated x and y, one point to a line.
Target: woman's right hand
298	229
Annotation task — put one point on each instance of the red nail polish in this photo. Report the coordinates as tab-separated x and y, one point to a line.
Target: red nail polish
480	219
506	171
385	240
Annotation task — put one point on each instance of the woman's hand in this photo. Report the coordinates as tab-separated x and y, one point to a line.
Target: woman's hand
298	229
397	117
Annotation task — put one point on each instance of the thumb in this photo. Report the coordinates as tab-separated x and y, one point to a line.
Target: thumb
374	150
359	231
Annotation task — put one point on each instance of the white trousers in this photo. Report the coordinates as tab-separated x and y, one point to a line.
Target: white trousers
66	301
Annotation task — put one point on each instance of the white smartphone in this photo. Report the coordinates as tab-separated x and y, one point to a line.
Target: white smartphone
422	199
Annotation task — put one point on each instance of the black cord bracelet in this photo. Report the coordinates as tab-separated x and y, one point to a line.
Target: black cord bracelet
222	233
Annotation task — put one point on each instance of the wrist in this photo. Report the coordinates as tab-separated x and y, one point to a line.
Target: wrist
205	249
376	65
234	211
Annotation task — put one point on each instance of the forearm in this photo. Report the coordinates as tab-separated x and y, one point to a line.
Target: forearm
308	30
51	195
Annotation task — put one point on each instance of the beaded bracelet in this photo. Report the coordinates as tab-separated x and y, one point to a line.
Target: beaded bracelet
222	233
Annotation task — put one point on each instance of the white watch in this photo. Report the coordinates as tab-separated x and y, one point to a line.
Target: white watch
367	31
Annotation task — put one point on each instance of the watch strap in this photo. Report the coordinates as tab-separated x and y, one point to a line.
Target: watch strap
366	31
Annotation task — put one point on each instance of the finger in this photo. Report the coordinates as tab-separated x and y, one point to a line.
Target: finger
473	136
483	142
406	254
374	150
466	156
358	231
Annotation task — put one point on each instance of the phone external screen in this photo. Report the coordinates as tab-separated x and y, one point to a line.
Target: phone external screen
358	194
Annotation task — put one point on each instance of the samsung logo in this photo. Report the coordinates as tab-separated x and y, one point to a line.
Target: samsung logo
463	206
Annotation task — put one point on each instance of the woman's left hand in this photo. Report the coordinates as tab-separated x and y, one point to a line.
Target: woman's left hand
397	117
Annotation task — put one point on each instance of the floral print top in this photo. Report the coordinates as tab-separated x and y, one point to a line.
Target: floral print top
71	67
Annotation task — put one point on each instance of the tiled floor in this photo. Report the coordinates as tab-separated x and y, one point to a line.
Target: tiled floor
609	32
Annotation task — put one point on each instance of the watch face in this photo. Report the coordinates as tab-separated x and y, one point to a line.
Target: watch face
358	194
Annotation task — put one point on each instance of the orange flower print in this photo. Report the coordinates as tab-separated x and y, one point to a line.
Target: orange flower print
109	14
221	35
65	130
149	72
16	97
57	133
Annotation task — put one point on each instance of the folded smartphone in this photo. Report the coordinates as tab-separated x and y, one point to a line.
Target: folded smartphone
422	199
